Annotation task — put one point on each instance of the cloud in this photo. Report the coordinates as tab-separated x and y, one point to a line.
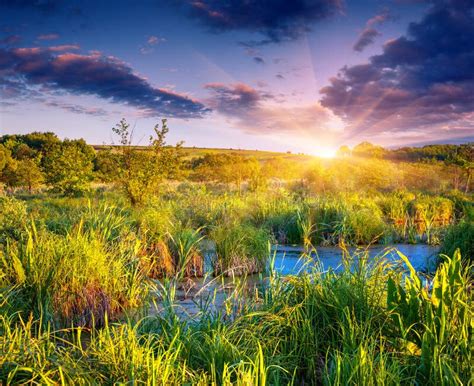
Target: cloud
277	20
422	81
369	33
11	39
258	112
48	37
52	69
259	60
151	42
77	109
365	39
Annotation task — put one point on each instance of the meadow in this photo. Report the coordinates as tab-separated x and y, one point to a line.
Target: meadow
96	253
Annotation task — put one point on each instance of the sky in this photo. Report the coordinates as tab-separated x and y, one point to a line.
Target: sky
302	75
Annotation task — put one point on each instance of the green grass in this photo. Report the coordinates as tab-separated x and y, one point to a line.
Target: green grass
77	277
368	326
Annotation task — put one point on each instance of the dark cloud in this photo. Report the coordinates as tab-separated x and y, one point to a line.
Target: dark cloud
366	38
235	99
77	109
424	79
259	60
369	33
277	20
258	112
55	70
9	40
48	37
279	76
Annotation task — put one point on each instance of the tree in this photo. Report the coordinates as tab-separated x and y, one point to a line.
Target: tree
22	173
68	166
142	170
107	165
366	149
29	174
464	159
5	156
258	177
344	151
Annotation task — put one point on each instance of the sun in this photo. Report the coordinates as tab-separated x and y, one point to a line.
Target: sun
324	152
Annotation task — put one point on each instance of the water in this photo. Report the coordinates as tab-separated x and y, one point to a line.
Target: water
287	261
288	258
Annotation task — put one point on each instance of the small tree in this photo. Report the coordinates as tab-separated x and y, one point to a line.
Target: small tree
29	174
22	173
68	166
142	170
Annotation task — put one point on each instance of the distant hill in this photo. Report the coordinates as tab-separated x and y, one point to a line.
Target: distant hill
195	152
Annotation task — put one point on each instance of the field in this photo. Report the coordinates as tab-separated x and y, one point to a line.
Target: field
98	254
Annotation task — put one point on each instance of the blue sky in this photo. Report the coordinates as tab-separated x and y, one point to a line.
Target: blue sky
305	75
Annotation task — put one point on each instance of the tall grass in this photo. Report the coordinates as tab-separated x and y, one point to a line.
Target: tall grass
78	278
75	276
371	325
239	249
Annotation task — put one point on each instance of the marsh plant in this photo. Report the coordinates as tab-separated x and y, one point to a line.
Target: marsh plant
239	249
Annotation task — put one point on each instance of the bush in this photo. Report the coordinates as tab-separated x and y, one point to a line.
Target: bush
13	216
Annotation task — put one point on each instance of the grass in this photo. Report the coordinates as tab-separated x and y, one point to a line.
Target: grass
77	277
368	326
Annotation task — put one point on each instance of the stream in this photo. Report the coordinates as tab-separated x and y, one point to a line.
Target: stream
208	294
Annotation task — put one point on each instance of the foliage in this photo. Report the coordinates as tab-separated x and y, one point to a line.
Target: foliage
68	166
366	326
141	171
460	237
13	218
240	249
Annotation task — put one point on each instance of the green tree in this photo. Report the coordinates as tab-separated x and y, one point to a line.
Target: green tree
107	165
5	156
28	174
142	170
68	166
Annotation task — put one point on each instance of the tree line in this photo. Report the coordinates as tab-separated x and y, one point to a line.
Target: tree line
68	167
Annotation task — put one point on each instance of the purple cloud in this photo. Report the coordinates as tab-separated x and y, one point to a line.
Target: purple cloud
9	40
258	112
369	33
55	70
48	37
421	82
277	20
365	39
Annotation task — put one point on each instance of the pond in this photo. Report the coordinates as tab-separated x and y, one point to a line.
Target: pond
288	258
208	294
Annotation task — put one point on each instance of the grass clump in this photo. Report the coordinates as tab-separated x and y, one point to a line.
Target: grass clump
239	249
13	218
460	237
75	279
